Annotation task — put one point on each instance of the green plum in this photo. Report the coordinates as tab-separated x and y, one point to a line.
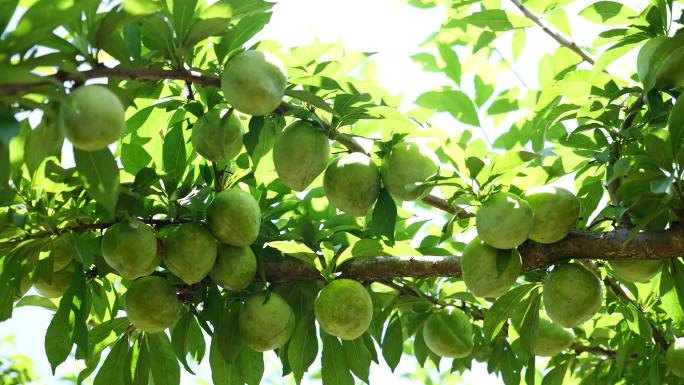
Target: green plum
234	217
190	252
352	184
344	309
480	273
504	221
300	155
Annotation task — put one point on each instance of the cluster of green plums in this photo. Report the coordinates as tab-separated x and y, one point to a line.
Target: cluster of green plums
254	83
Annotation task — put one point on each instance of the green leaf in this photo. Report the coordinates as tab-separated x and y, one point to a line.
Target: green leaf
260	138
141	375
452	64
251	366
496	20
384	216
556	375
502	310
183	14
608	13
164	365
310	98
222	372
113	370
530	324
43	141
7	8
334	369
393	343
672	291
454	102
58	341
358	358
100	173
180	336
142	7
294	249
203	29
227	334
238	35
36	300
174	157
302	347
676	127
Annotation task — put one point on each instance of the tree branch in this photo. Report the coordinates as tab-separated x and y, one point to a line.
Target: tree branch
562	40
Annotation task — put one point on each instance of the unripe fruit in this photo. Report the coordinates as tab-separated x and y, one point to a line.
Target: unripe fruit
636	270
407	164
266	322
216	138
449	333
480	273
57	286
234	217
130	248
190	252
151	304
352	184
572	295
254	82
504	221
235	267
552	339
300	155
556	211
62	252
93	118
675	357
344	309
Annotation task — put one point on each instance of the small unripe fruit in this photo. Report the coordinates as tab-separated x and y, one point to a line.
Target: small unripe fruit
57	286
130	248
407	164
93	118
235	267
151	304
572	295
449	333
62	252
636	270
300	155
556	211
352	184
552	339
253	82
216	138
266	322
480	273
190	252
675	357
344	309
504	221
234	217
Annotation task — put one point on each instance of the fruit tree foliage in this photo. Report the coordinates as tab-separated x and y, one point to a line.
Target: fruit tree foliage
186	193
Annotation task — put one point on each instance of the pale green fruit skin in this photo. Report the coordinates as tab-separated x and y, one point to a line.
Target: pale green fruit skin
572	295
235	267
57	287
504	221
300	155
130	248
407	163
151	304
479	271
190	252
552	339
216	138
254	82
266	326
62	249
449	333
352	184
675	357
93	119
636	270
234	217
556	211
344	309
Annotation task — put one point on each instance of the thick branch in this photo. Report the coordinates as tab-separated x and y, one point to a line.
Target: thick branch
121	73
562	40
582	245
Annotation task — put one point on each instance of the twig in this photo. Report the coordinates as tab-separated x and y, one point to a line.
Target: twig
562	40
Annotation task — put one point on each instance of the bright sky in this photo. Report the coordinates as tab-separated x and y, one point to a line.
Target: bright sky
394	30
